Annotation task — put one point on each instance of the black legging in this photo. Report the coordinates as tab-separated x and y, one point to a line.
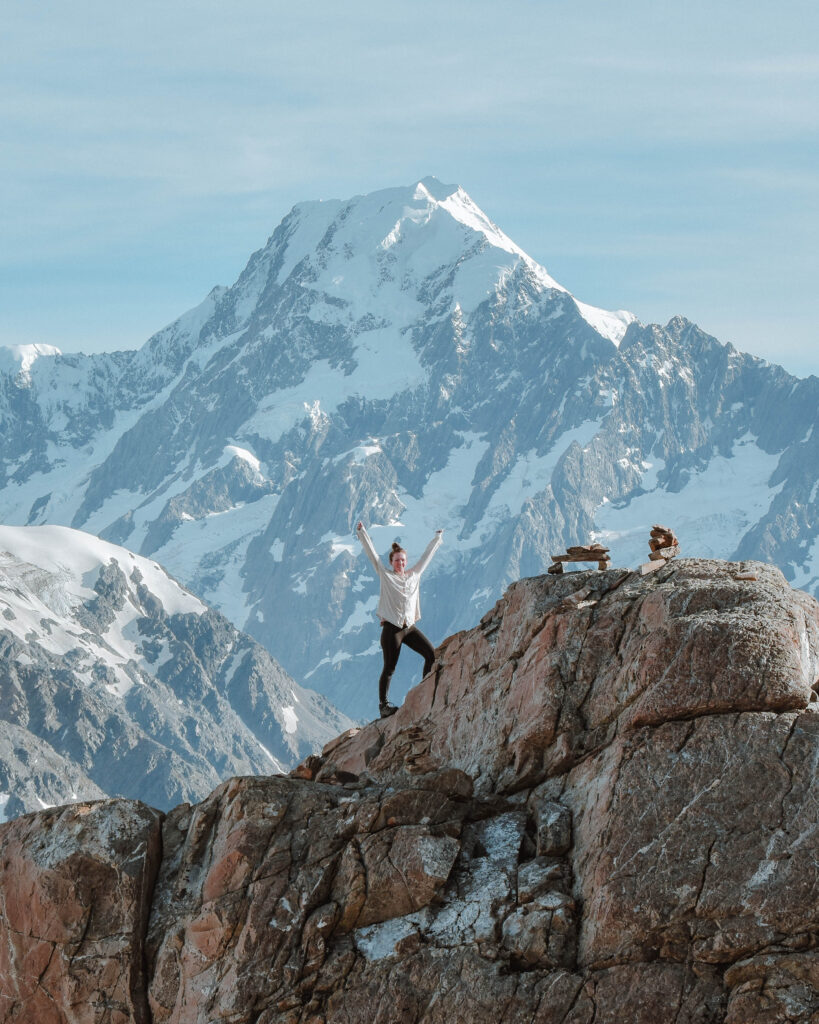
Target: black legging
392	637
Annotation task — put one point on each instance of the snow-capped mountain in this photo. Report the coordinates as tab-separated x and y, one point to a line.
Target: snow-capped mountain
116	680
397	358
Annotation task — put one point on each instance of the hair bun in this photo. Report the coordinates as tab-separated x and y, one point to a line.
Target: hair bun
396	548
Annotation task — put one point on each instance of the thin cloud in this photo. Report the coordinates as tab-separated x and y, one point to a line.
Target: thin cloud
175	136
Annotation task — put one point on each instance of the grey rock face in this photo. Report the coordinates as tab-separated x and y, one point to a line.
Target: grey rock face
115	681
34	775
395	358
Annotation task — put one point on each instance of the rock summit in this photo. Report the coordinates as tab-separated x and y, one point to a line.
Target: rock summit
599	807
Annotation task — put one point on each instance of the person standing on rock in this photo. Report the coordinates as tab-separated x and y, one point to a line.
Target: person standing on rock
399	608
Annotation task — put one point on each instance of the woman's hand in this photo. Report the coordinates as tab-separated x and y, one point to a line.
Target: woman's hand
440	533
360	525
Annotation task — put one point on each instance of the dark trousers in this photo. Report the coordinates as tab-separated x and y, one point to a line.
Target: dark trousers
392	638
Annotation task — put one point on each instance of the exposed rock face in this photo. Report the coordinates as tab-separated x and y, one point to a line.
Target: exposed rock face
600	807
75	890
561	669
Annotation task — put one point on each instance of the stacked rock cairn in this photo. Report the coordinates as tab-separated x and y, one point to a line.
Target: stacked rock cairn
663	545
581	553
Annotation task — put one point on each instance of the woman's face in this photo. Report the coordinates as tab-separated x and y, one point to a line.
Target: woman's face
399	561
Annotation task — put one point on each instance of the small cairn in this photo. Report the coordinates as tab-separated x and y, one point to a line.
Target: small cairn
663	546
581	553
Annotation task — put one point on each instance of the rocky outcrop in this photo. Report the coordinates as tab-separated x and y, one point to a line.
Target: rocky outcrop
599	807
75	891
563	668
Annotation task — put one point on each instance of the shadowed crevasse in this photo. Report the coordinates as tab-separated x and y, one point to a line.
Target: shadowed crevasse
600	806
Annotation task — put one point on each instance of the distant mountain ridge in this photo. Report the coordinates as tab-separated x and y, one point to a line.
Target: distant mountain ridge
114	680
396	357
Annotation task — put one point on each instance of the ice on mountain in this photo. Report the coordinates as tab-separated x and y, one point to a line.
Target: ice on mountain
232	451
359	454
338	545
362	615
20	358
291	720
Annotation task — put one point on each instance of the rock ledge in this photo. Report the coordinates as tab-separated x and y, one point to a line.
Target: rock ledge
599	807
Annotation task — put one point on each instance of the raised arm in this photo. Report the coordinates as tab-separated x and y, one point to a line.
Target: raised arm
431	548
369	550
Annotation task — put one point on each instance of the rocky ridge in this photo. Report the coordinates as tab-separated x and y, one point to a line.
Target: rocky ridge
114	680
599	807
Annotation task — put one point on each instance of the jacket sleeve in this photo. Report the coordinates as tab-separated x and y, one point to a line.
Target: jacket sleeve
369	550
426	558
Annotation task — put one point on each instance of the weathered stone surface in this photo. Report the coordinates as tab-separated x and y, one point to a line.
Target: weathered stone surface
650	993
600	809
774	987
445	988
699	838
543	874
553	822
545	679
75	889
256	879
542	934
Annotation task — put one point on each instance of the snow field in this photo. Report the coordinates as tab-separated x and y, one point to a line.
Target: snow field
709	515
421	230
48	572
447	491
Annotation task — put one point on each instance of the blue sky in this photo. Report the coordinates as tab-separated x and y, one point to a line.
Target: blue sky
654	157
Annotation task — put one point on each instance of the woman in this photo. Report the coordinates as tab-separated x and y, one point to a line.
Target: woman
399	609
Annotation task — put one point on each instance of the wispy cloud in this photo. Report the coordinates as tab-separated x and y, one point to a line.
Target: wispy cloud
174	135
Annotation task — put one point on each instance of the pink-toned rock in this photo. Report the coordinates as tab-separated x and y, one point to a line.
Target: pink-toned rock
600	808
542	933
75	889
400	870
774	987
651	993
542	681
449	988
698	839
257	880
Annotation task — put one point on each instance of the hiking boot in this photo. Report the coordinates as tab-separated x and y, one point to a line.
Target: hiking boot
387	709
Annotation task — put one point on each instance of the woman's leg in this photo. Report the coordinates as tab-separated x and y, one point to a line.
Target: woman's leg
391	647
416	641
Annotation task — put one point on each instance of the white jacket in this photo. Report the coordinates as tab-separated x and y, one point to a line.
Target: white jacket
399	602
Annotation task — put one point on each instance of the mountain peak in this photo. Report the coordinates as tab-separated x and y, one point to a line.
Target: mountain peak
20	358
374	252
436	189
